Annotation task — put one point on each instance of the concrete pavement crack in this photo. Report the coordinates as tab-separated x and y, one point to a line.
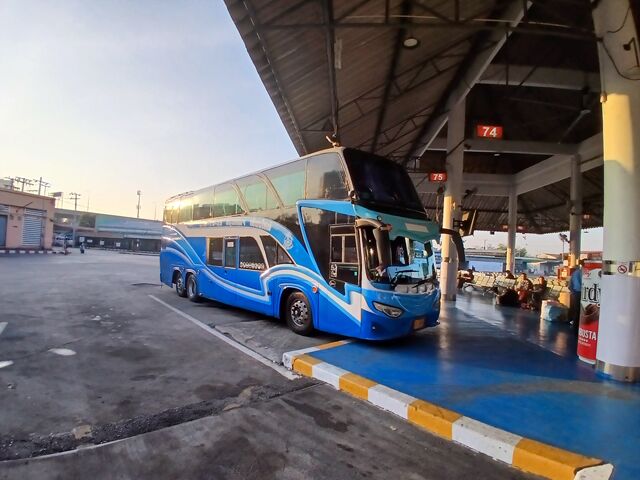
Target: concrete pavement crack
36	445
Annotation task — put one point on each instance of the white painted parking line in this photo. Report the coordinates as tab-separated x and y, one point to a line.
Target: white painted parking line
65	352
3	325
5	363
238	346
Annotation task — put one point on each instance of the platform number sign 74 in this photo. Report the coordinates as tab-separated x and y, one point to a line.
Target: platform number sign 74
489	131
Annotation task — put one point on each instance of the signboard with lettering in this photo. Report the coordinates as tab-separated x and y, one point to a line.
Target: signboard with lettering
589	311
489	131
438	177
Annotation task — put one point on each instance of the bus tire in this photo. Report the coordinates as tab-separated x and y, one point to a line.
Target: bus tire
192	289
180	288
298	314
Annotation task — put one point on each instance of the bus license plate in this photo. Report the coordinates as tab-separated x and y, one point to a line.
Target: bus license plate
418	324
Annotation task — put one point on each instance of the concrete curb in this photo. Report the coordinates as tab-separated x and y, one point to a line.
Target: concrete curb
21	251
520	452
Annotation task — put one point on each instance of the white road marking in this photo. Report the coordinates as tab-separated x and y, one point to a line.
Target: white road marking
3	325
65	352
6	363
238	346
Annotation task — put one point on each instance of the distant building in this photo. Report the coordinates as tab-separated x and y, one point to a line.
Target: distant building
26	220
99	230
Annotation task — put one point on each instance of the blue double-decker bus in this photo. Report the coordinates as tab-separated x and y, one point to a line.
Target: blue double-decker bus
336	241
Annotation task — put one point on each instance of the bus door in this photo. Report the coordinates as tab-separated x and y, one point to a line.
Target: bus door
343	276
223	259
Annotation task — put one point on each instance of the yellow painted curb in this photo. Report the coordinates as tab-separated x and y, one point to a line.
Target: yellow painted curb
528	455
337	343
356	385
433	418
548	461
304	364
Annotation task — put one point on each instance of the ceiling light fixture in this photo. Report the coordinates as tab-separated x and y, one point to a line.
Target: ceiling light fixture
410	42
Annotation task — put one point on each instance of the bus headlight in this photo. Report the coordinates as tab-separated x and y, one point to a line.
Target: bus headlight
388	310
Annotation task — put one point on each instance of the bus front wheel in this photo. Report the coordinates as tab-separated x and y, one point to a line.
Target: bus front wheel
180	288
298	314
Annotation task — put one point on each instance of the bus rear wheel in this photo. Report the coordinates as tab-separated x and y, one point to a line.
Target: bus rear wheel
298	314
192	289
180	288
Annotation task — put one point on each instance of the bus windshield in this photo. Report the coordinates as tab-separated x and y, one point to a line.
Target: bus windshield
381	183
411	267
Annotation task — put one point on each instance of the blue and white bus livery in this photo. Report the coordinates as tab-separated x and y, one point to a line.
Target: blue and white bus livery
336	241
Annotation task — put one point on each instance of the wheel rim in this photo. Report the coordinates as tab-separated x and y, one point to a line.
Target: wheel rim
191	290
299	313
179	284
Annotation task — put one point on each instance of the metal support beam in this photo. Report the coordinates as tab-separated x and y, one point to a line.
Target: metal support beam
513	227
481	145
540	77
327	8
575	214
391	74
484	184
470	71
558	167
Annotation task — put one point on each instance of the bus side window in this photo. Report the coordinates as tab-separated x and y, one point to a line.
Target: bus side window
215	252
250	255
230	248
276	255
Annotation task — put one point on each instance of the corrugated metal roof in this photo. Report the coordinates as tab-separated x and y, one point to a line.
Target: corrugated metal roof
357	78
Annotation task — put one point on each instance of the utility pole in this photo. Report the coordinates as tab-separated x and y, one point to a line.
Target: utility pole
42	184
74	196
139	195
23	181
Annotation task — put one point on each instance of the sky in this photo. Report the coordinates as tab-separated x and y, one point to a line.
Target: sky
105	98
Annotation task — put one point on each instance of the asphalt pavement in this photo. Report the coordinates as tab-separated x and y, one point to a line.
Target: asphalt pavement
106	374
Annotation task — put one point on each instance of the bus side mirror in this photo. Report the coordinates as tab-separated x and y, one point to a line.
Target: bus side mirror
457	241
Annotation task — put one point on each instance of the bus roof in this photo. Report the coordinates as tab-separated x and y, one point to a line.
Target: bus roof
235	179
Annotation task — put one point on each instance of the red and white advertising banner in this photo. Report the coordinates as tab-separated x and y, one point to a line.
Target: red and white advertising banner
589	311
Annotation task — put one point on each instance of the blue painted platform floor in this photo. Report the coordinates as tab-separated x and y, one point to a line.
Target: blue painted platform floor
505	367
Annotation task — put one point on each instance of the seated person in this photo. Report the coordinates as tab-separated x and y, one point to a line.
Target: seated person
509	275
537	293
523	288
464	276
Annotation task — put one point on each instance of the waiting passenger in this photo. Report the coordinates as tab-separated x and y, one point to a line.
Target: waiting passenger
509	275
537	293
523	287
464	276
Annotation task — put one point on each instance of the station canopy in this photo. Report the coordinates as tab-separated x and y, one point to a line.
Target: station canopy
382	76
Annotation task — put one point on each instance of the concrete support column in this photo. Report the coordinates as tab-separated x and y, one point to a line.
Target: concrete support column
618	354
575	216
452	199
513	227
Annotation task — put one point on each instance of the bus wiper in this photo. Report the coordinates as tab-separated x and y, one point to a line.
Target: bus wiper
393	280
421	282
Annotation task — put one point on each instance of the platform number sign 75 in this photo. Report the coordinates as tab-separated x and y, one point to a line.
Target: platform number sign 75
489	131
